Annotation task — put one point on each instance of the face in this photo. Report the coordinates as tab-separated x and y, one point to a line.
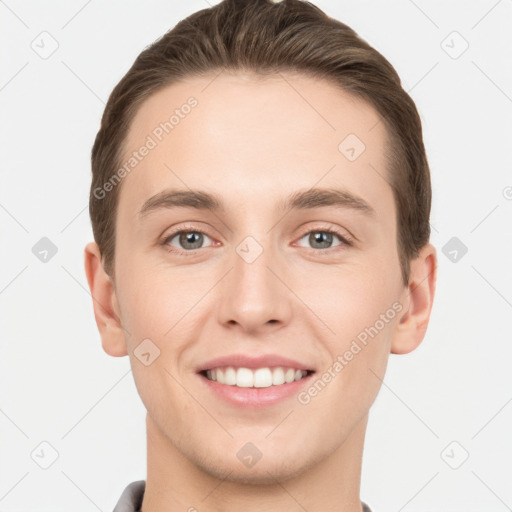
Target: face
315	280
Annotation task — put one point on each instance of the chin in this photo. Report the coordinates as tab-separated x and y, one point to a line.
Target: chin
263	472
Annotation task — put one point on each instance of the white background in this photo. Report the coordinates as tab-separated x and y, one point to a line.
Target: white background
56	383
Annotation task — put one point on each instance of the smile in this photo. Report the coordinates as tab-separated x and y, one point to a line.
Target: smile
258	378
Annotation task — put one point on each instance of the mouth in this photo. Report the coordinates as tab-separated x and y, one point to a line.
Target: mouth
257	388
241	377
254	381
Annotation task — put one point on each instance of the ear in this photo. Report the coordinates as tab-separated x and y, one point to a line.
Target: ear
417	299
105	304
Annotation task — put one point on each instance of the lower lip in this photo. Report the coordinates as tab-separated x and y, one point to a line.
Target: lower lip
256	397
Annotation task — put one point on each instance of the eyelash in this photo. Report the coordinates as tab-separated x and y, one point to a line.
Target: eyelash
346	241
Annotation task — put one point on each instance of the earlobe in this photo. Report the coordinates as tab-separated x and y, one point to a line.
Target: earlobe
105	303
419	295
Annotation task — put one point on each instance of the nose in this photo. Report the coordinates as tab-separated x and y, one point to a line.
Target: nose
254	296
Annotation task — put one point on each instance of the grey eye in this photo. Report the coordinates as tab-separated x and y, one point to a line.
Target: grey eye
189	240
320	239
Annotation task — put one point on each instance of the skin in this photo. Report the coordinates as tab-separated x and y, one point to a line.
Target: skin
252	142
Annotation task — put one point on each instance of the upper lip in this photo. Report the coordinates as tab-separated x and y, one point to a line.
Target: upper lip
245	361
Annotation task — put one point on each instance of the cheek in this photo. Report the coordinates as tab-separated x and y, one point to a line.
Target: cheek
164	307
152	309
363	319
355	296
157	312
361	308
149	297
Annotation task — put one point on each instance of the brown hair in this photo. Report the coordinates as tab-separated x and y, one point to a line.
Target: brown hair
266	37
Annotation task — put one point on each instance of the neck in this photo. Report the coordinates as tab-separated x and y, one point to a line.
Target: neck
174	483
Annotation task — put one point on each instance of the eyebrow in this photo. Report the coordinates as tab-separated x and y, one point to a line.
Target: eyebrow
299	200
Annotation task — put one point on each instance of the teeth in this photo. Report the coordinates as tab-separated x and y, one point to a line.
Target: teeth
230	376
289	376
277	377
260	378
245	378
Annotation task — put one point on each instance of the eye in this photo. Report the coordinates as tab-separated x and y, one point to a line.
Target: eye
187	240
323	238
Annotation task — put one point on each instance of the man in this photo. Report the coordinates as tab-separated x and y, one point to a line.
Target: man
260	204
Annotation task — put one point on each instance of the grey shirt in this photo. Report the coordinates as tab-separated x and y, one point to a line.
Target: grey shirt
131	499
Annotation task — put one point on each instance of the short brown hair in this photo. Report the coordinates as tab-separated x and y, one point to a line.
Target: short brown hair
266	37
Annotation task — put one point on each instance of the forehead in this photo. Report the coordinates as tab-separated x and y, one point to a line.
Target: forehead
252	137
